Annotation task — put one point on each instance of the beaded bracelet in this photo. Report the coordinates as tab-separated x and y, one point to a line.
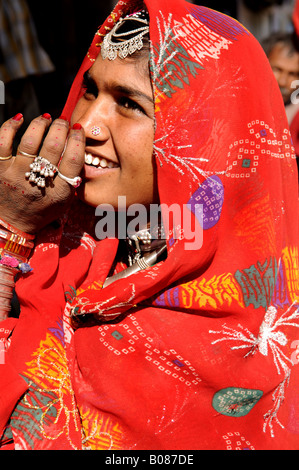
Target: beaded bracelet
16	231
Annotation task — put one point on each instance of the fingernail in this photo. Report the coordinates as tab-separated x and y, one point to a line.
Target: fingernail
63	118
77	126
47	116
18	117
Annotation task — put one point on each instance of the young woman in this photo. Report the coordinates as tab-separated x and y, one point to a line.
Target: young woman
184	334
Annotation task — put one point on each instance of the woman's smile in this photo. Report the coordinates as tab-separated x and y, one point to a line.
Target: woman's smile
98	161
95	165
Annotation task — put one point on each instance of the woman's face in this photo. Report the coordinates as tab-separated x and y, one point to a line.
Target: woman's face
117	114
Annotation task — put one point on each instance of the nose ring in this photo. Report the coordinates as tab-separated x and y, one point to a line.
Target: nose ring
95	130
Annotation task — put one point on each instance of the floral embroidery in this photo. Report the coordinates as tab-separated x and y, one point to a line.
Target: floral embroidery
48	410
270	340
101	433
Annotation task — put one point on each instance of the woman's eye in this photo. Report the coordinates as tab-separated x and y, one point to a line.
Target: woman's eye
129	104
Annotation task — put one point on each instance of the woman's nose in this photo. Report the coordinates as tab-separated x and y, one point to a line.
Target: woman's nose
94	121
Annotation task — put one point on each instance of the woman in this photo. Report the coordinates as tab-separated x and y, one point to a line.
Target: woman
197	348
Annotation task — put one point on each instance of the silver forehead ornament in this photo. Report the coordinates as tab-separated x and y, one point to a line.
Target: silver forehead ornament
119	44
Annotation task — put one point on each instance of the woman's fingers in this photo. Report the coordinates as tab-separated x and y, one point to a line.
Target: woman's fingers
49	148
55	141
32	139
8	131
73	159
32	196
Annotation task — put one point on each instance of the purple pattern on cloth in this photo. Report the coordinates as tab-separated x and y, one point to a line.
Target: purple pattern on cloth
206	203
222	25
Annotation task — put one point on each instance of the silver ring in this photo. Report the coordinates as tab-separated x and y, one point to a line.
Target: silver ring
41	169
75	182
26	154
6	158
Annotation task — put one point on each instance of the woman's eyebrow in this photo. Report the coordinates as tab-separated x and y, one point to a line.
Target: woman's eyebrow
131	92
87	78
116	87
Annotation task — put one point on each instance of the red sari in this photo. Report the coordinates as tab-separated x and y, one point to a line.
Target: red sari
199	351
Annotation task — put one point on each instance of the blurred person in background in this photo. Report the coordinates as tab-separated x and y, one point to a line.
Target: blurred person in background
21	59
266	17
282	50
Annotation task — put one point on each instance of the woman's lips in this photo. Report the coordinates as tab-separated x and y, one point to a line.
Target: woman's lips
95	165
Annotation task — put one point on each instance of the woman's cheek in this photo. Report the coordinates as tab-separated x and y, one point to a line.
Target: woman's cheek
77	113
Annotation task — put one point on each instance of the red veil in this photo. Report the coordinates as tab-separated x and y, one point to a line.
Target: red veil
296	17
199	351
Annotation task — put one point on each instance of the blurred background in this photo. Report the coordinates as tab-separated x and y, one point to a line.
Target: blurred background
42	44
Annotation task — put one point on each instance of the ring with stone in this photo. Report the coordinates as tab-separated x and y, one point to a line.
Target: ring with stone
75	182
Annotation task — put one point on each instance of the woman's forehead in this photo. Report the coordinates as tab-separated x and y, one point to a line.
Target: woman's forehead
127	71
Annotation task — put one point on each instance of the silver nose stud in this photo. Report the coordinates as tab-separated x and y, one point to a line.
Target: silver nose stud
95	130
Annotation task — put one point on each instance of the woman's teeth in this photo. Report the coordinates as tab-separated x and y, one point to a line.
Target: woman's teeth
98	161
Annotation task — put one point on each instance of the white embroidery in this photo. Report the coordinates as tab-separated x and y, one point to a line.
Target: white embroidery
201	42
269	340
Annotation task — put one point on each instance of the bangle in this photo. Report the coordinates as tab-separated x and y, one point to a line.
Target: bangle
15	230
15	248
13	237
7	276
15	244
22	259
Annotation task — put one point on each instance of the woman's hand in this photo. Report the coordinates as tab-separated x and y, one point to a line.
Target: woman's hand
22	203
